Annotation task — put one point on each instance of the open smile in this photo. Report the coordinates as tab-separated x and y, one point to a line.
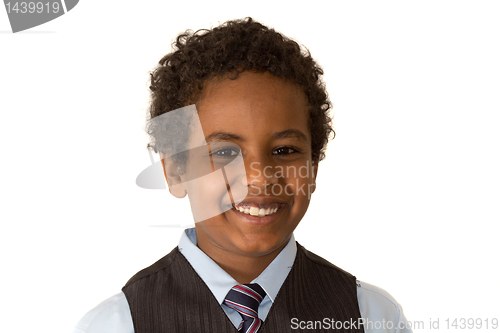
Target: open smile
258	213
260	210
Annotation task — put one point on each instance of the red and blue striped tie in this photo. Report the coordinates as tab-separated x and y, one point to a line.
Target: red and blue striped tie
246	300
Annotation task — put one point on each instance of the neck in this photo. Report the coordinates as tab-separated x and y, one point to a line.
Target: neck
243	268
246	269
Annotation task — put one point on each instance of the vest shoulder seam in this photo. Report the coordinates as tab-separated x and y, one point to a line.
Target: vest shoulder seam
380	292
159	265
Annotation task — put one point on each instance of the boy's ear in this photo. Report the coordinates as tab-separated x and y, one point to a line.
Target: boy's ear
173	174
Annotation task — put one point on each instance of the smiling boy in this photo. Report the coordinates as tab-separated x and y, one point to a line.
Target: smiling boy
267	118
258	96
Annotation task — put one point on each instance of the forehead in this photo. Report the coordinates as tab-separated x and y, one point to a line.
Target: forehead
253	103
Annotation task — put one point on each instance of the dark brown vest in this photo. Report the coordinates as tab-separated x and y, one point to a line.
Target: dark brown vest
170	297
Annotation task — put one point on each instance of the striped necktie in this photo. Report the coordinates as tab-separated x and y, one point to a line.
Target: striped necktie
246	300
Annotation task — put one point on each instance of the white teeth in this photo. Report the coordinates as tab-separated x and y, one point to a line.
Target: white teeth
255	211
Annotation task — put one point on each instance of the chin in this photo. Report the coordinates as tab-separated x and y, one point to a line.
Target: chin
260	247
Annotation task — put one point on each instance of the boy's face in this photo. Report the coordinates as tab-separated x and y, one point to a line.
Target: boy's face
267	118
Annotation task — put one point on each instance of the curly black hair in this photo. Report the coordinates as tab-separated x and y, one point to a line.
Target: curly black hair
227	50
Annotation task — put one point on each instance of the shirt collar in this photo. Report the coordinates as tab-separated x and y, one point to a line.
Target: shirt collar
219	282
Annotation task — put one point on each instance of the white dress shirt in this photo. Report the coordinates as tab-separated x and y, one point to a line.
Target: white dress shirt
380	310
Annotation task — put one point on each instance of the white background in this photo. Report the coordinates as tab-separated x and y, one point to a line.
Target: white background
407	198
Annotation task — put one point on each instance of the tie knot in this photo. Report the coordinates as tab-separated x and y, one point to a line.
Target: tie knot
246	300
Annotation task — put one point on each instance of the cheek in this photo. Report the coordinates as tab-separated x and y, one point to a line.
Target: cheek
208	196
300	182
236	177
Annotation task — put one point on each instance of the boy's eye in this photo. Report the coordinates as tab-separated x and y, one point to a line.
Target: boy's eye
284	151
226	152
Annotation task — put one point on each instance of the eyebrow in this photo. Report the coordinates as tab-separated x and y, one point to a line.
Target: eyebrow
223	136
290	134
286	134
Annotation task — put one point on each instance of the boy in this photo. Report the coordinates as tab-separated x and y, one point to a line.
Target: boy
239	116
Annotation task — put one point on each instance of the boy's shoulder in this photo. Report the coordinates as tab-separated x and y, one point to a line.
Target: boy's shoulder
111	315
372	293
379	308
376	304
